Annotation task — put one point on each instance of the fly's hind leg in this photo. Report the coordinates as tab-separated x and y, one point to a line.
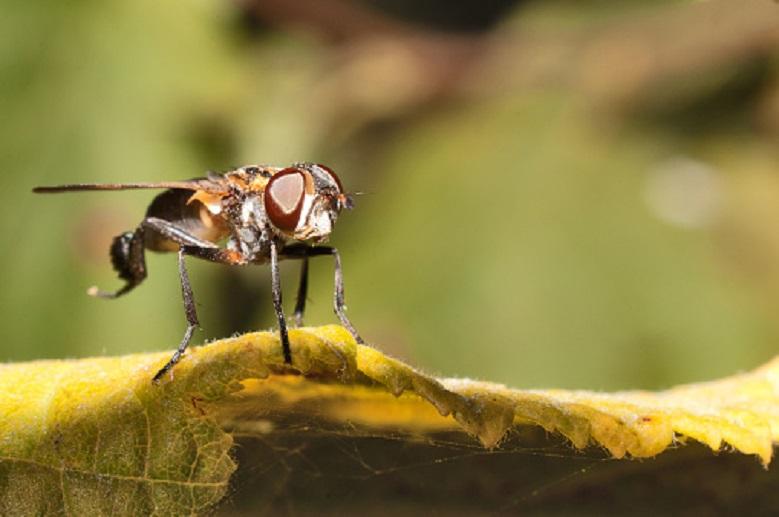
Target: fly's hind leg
128	253
339	303
128	259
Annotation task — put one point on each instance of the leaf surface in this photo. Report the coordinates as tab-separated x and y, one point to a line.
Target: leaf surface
95	436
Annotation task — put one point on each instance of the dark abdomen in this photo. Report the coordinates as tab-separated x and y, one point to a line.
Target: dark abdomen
193	217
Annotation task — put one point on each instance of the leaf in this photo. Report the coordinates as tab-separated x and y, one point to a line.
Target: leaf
95	436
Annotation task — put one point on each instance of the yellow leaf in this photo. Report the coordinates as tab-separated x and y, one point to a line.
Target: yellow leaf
95	436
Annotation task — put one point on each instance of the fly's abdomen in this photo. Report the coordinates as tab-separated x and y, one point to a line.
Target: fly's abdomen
178	207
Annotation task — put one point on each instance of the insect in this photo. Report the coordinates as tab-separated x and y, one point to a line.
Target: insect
264	213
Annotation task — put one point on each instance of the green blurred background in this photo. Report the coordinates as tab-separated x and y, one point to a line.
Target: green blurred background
570	194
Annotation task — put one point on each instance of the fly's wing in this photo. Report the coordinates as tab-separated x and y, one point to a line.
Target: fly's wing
175	205
211	184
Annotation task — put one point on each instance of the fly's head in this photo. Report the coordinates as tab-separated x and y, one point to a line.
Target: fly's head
302	202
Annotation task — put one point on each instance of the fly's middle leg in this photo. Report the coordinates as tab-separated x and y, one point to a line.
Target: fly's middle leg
190	313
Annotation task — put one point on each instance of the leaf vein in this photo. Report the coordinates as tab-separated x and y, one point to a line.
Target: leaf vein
62	470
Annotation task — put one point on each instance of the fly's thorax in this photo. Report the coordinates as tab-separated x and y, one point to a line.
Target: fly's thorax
252	211
250	226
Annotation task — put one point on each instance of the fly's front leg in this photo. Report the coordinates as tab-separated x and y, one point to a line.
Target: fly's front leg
276	292
300	304
191	315
339	304
298	251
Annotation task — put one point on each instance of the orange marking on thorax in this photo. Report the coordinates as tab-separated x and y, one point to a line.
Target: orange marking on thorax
258	184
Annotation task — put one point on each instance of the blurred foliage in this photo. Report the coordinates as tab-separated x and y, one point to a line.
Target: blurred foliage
576	184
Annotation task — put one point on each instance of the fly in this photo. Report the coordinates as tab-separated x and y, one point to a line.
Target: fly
264	213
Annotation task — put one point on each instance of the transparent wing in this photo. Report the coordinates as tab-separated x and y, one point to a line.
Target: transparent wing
210	184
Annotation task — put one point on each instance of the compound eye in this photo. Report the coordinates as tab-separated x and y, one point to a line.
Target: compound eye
327	170
283	199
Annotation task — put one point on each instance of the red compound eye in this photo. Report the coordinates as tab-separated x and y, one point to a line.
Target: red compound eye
283	200
333	175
